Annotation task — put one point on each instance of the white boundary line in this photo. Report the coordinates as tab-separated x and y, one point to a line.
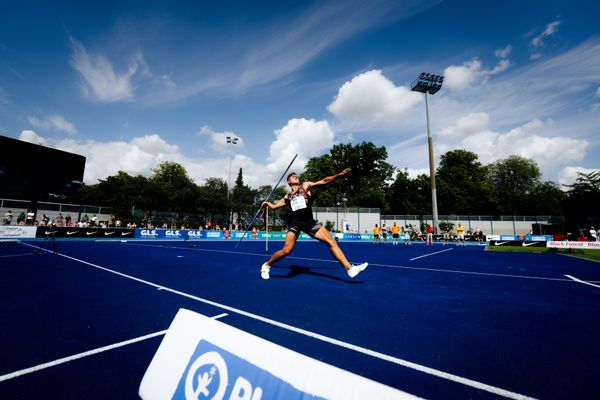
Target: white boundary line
421	368
378	265
430	254
580	281
63	360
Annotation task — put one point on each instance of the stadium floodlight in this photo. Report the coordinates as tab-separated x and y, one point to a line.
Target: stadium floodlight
231	140
429	83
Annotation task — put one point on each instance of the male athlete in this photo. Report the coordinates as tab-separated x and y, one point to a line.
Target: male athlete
301	220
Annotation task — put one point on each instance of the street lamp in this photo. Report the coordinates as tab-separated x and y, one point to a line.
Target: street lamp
429	83
231	140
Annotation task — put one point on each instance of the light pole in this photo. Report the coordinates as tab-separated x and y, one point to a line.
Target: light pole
429	83
232	140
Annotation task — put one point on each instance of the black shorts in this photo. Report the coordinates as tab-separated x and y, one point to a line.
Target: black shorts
395	235
310	228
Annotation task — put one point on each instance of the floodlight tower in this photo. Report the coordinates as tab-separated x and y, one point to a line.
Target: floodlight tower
429	83
231	140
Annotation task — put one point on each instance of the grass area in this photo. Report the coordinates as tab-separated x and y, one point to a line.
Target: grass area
588	254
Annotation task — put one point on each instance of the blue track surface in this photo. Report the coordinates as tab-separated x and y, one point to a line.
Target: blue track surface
491	321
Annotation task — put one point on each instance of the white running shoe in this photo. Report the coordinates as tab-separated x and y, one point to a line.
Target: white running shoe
357	269
264	271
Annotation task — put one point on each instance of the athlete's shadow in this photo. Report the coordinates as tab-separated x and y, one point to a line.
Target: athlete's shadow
295	270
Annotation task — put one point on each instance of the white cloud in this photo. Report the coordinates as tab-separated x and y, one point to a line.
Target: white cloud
598	92
472	132
100	80
503	53
502	66
32	137
551	28
219	140
568	175
372	97
467	125
460	77
55	122
307	138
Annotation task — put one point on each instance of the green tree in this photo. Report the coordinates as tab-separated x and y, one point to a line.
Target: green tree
122	192
545	198
583	197
175	190
512	180
462	187
211	199
242	198
399	195
364	186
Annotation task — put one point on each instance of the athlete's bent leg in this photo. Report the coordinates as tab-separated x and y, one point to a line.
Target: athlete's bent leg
290	242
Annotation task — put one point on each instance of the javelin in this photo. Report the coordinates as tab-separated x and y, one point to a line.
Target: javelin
267	199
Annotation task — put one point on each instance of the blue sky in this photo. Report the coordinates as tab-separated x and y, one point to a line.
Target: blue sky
131	84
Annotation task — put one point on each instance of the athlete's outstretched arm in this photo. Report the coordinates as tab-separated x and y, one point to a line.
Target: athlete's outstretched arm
327	179
279	204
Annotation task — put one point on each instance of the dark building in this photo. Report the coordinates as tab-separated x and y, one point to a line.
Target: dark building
34	172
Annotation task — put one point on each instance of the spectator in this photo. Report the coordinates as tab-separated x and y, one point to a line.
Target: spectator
94	220
446	235
376	232
30	218
429	231
594	234
395	233
460	230
8	217
21	218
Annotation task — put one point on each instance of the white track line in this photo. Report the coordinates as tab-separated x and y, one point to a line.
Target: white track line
431	371
63	360
580	281
430	254
371	264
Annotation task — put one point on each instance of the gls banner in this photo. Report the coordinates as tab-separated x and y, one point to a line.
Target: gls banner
201	358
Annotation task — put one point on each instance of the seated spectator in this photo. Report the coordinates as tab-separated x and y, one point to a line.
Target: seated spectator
8	218
21	218
30	218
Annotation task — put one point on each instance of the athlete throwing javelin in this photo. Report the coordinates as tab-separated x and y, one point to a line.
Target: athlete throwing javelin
301	220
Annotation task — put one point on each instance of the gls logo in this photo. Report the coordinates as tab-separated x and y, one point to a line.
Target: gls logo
195	233
172	233
149	232
209	369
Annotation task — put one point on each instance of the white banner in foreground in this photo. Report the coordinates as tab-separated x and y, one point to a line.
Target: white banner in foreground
203	358
17	232
573	245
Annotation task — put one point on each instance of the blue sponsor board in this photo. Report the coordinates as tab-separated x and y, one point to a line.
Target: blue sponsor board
510	237
215	373
539	238
351	236
196	234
